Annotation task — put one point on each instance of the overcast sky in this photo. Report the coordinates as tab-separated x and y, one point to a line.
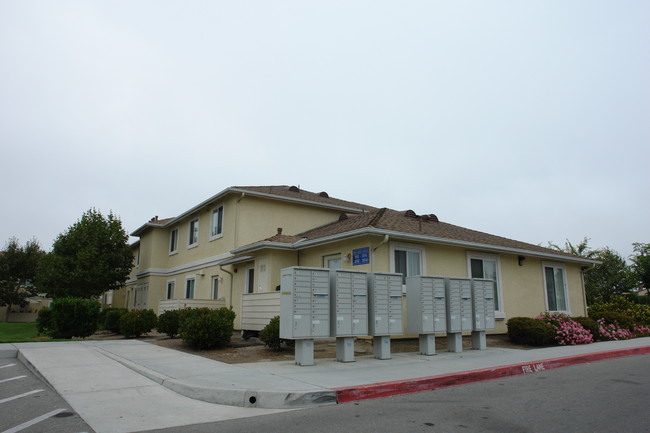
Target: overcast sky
525	119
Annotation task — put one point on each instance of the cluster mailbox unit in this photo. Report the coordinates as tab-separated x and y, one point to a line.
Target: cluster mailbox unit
459	311
385	312
349	305
427	310
304	309
483	311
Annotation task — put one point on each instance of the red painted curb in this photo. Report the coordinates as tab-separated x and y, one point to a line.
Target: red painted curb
386	389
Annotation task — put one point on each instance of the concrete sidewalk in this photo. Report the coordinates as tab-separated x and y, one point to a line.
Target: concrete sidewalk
283	385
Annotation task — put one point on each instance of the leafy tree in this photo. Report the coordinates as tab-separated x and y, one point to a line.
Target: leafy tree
580	249
611	277
91	257
18	270
641	263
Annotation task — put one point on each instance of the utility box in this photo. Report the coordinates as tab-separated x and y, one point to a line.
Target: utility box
459	311
304	309
349	303
385	311
426	305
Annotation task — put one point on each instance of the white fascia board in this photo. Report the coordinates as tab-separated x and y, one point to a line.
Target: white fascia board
188	267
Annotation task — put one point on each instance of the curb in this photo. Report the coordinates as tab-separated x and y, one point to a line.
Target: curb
387	389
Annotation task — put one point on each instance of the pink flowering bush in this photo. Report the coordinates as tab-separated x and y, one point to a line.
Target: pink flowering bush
641	331
612	331
567	330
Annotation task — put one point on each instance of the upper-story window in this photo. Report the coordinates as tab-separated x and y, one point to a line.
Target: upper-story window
216	223
193	237
173	241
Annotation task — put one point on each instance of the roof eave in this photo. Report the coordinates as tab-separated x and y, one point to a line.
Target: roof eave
304	243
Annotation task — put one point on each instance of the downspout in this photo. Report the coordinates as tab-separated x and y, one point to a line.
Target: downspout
372	259
231	282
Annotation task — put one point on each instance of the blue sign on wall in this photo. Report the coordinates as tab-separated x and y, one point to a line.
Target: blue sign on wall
361	256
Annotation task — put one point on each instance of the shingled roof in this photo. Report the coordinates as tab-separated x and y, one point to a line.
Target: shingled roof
407	225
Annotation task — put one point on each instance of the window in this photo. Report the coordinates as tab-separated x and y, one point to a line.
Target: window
171	286
173	241
407	260
486	266
216	224
137	256
332	261
250	280
189	288
215	287
193	238
555	284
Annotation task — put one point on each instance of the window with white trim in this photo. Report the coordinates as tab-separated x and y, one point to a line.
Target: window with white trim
486	266
555	287
189	287
407	259
173	241
250	279
215	287
193	237
171	286
216	223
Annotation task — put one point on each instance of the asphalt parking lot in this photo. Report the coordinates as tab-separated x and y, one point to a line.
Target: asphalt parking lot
29	405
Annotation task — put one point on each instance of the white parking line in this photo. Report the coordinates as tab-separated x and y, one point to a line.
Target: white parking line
4	400
32	422
11	378
8	365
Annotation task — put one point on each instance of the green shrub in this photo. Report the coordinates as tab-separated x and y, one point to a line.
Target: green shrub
614	318
168	323
204	328
639	313
73	317
590	325
44	323
135	323
531	332
270	335
112	319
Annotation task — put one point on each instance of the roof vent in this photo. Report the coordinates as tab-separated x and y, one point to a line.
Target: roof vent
343	217
430	217
294	189
409	213
279	230
324	194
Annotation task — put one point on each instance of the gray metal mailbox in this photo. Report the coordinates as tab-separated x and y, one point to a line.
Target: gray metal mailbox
349	303
304	308
482	311
384	310
459	311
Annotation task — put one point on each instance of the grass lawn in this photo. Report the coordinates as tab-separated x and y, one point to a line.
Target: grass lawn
19	332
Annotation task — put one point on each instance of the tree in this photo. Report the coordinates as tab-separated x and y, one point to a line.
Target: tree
18	270
580	249
641	263
611	277
90	258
